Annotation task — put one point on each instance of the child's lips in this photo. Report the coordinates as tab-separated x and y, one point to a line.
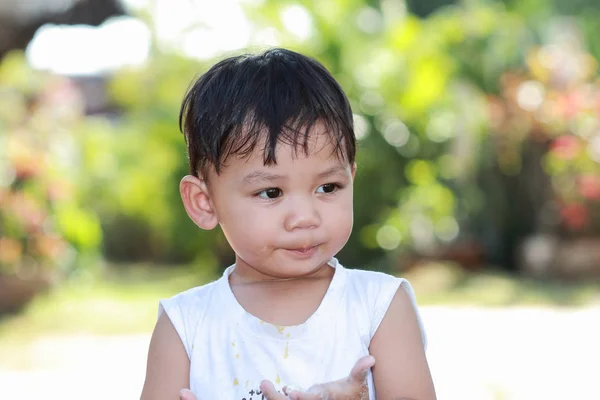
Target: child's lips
303	252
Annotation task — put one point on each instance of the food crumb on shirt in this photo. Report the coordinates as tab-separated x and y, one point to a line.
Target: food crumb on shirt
235	382
287	350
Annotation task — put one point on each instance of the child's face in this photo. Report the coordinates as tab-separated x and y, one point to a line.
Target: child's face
287	219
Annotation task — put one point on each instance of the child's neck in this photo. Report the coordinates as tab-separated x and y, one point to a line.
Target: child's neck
280	301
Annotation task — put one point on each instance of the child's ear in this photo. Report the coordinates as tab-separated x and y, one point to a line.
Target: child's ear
353	170
197	202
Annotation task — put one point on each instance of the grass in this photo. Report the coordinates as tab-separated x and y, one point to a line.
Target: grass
450	285
125	300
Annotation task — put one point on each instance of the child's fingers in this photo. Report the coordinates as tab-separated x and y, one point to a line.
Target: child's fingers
268	390
361	369
186	394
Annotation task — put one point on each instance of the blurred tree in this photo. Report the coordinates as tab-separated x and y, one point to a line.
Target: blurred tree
423	8
46	233
584	13
138	196
438	174
433	173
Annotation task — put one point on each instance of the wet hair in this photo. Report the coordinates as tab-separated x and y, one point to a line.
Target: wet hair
277	95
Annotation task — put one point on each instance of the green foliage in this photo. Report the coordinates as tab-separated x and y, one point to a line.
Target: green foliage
442	141
140	205
419	88
43	223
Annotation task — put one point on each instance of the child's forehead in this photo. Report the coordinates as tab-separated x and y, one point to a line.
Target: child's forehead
319	146
320	155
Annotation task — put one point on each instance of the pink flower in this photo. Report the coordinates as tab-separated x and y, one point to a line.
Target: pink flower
566	147
571	104
575	216
589	187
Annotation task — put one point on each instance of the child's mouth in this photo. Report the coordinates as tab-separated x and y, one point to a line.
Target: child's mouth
304	252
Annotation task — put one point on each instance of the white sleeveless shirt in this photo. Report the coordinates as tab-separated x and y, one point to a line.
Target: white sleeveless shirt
231	351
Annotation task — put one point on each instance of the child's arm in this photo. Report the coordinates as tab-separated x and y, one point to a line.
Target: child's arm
401	370
168	368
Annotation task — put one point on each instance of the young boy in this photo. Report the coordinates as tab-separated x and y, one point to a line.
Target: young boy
272	161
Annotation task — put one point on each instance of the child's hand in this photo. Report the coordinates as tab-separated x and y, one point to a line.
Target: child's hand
354	387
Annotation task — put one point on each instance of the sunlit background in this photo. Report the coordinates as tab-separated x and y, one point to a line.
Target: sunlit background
479	179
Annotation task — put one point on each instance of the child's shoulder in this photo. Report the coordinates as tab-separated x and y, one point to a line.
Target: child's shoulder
377	285
375	291
365	280
187	309
370	276
194	295
191	302
375	288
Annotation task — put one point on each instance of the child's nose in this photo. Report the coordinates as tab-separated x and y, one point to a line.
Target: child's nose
303	214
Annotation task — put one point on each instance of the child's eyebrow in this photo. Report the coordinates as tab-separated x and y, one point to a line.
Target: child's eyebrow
258	176
338	169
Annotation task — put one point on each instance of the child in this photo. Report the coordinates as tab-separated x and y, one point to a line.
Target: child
272	160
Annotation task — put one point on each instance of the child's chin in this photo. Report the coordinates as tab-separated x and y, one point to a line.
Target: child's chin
294	265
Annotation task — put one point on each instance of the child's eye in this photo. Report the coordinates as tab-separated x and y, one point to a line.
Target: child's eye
270	193
328	188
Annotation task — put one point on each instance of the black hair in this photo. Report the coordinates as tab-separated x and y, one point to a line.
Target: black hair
277	95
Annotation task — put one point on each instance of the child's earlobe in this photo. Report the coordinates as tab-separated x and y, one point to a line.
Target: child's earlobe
196	200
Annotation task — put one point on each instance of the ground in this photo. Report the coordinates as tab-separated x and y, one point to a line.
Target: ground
515	340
